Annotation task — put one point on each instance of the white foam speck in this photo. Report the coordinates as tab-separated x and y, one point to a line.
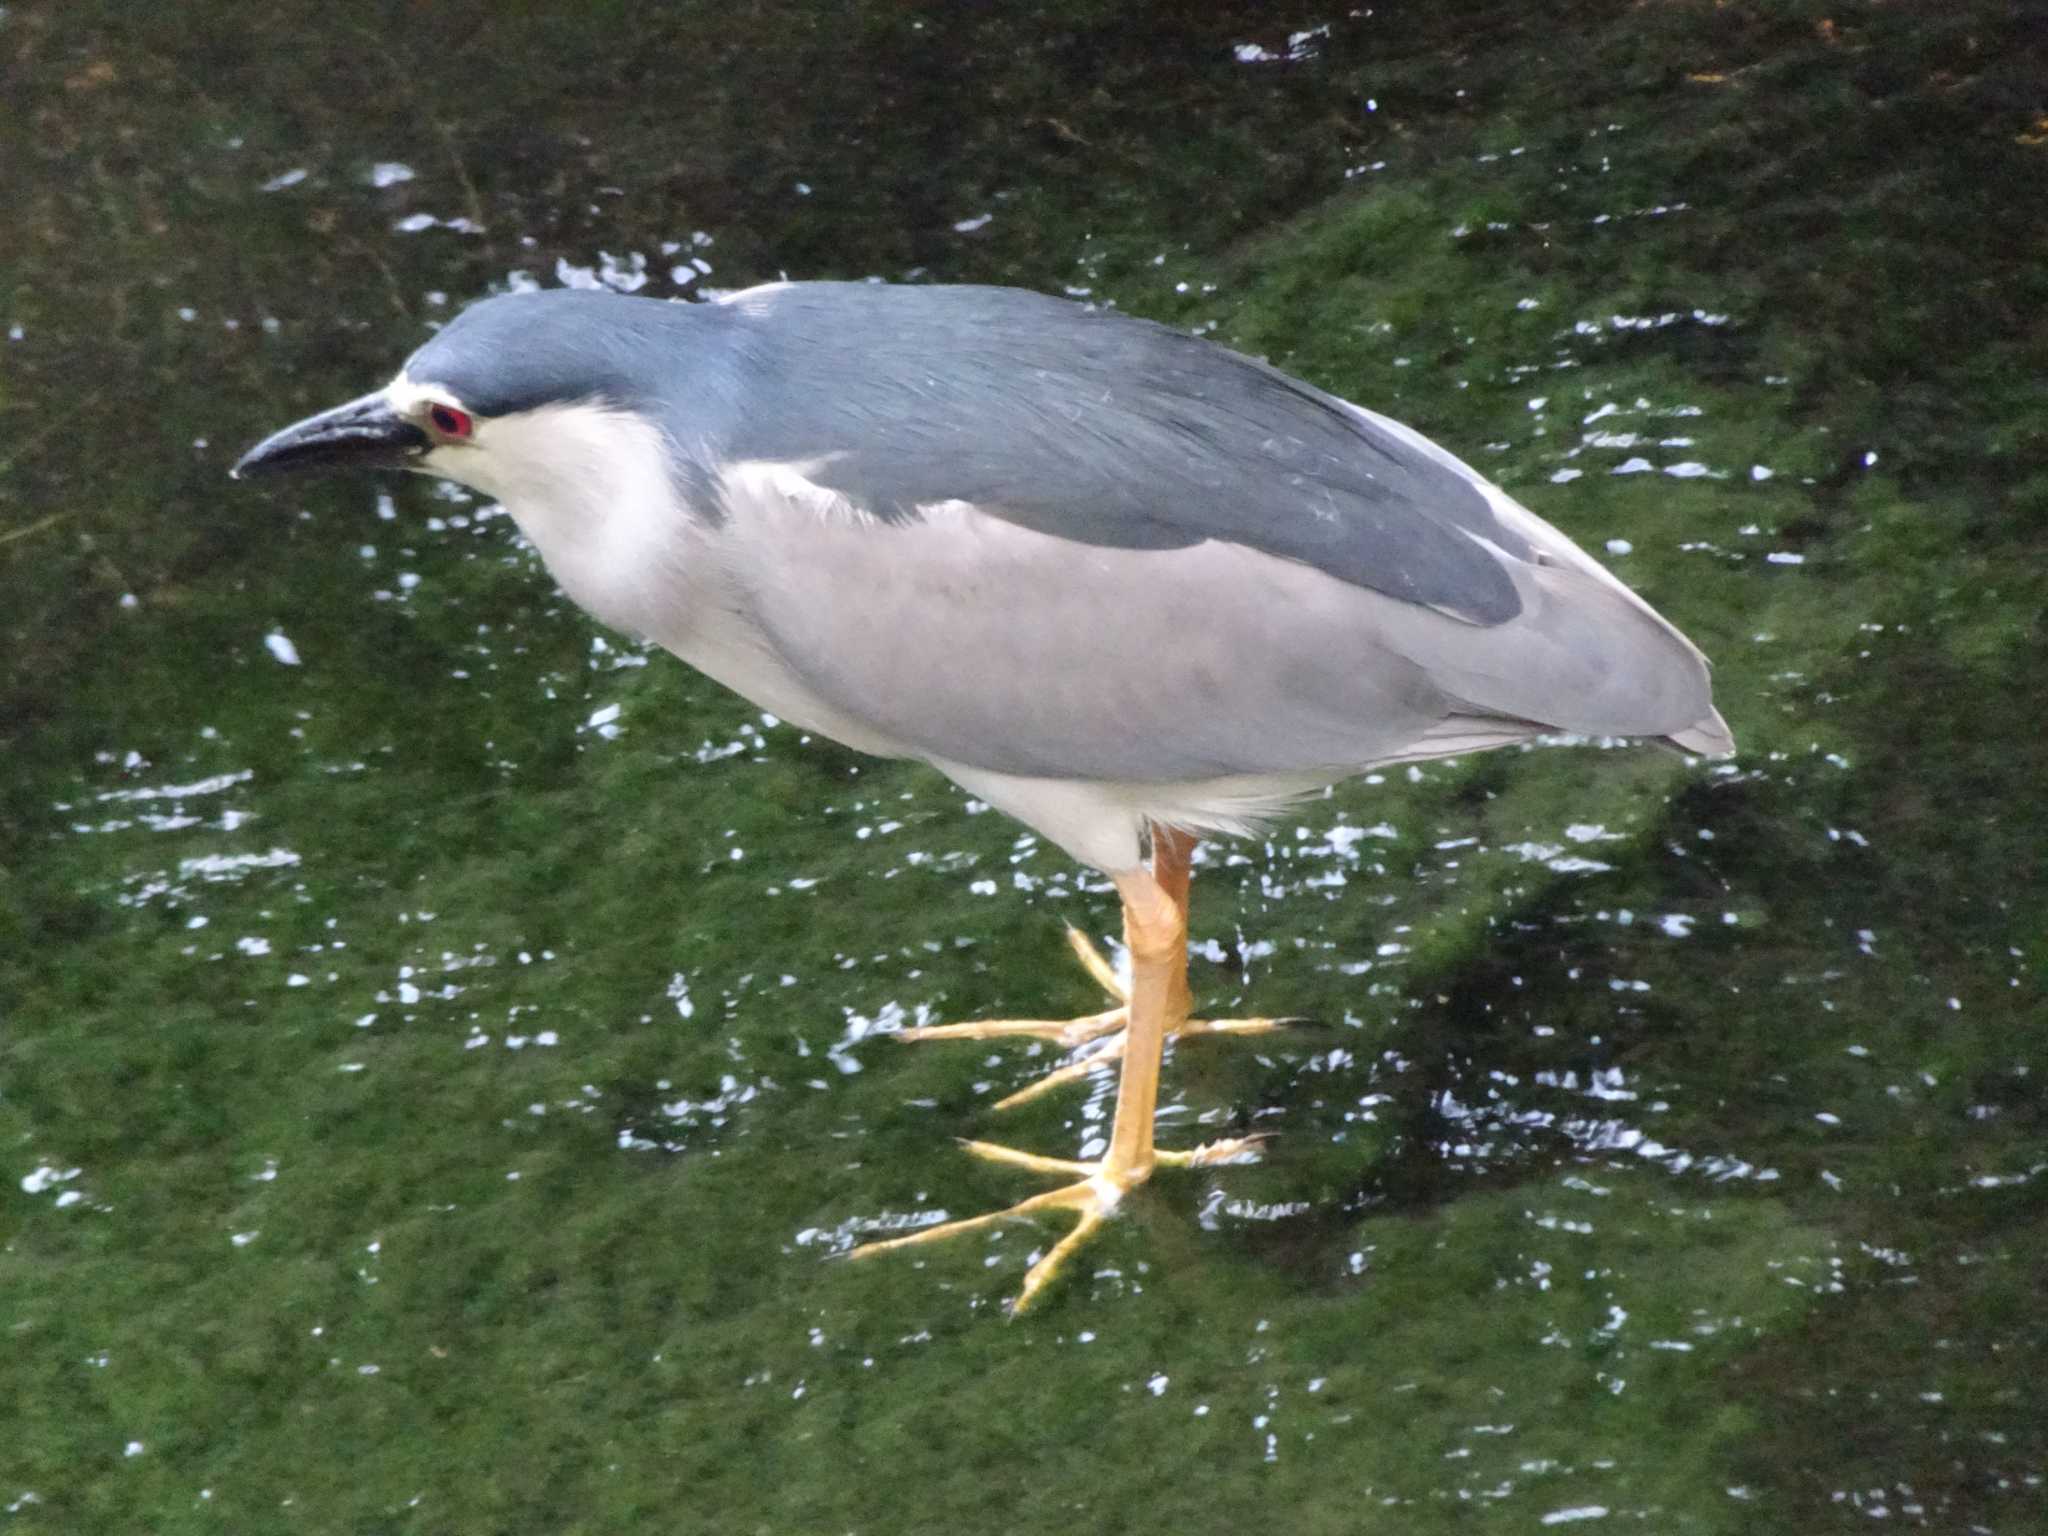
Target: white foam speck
230	866
46	1177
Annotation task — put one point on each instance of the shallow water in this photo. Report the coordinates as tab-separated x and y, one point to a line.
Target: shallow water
435	1027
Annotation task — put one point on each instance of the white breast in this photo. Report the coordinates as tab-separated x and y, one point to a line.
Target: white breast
592	488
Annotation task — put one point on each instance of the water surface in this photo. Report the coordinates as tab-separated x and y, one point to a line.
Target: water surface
443	1043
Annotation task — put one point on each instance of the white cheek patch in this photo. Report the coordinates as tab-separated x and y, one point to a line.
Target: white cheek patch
410	399
444	457
592	488
568	467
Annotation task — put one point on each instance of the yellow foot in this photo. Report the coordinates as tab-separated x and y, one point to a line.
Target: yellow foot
1094	1196
1072	1033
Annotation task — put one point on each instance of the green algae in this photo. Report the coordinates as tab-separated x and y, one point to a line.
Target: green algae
475	1165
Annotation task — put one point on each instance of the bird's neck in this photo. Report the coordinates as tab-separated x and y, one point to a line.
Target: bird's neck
593	489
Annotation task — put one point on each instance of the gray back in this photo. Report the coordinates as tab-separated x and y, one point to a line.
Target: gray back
1084	424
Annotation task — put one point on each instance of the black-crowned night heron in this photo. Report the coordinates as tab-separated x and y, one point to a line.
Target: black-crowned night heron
1124	584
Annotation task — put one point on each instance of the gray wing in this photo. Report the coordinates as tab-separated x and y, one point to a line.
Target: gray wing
979	640
1104	431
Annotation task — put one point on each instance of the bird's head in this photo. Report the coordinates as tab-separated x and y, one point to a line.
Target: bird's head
513	392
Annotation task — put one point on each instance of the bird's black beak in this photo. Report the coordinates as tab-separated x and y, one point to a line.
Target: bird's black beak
364	434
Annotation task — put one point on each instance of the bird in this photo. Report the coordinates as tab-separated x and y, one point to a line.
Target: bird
1125	584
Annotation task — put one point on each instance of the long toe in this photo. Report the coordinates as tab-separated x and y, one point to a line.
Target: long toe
1109	1027
1098	1188
1092	1199
1064	1032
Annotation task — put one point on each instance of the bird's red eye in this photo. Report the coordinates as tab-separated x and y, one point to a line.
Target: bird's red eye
450	422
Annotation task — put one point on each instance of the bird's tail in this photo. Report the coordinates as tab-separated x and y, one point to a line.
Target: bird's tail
1708	738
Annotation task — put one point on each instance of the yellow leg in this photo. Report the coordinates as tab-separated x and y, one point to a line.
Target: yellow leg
1155	929
1173	848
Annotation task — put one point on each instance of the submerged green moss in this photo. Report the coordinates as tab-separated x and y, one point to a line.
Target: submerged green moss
432	1103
